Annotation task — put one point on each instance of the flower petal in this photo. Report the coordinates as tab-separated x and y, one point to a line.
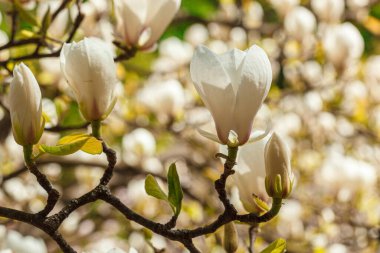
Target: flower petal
256	78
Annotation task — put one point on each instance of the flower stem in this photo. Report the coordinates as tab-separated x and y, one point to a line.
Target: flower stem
96	128
28	151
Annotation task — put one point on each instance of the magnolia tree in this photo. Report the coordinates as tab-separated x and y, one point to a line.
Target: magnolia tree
109	113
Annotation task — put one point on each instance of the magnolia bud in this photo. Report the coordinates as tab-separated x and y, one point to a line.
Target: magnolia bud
25	106
230	238
279	177
90	70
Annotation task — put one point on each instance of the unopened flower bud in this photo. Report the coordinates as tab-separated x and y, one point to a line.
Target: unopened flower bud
25	106
230	238
279	177
90	70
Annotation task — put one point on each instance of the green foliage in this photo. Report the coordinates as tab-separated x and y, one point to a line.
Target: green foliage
200	8
375	11
175	195
25	15
72	143
153	189
175	190
278	246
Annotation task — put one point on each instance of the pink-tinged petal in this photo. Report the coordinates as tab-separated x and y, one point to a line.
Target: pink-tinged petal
256	78
131	17
159	15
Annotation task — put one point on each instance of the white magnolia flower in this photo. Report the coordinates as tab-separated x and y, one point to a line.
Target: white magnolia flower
300	22
89	69
138	144
284	6
166	98
250	174
232	86
328	10
277	162
24	244
140	23
25	106
343	44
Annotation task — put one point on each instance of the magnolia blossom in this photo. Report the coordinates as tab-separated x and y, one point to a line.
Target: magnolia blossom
343	44
140	23
328	10
249	175
300	22
277	163
137	145
284	6
232	86
89	69
25	106
165	98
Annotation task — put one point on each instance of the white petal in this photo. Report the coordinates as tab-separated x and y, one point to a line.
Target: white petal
256	78
159	14
214	88
209	135
131	16
231	62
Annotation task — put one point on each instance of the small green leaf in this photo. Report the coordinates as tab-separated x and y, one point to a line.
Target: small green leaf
278	246
64	149
153	189
25	15
70	144
46	22
175	190
92	146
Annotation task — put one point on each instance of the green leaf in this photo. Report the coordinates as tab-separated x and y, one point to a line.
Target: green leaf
278	246
72	143
64	149
25	15
175	190
153	189
92	146
46	22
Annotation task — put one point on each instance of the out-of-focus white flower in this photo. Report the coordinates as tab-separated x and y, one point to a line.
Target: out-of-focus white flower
357	3
312	72
4	54
300	22
372	73
254	14
57	28
138	144
25	106
328	10
196	34
174	53
238	37
277	163
166	98
337	248
250	174
24	244
343	44
140	23
89	69
290	219
284	6
232	86
345	172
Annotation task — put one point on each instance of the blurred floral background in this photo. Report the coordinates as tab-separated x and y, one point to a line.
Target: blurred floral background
324	100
